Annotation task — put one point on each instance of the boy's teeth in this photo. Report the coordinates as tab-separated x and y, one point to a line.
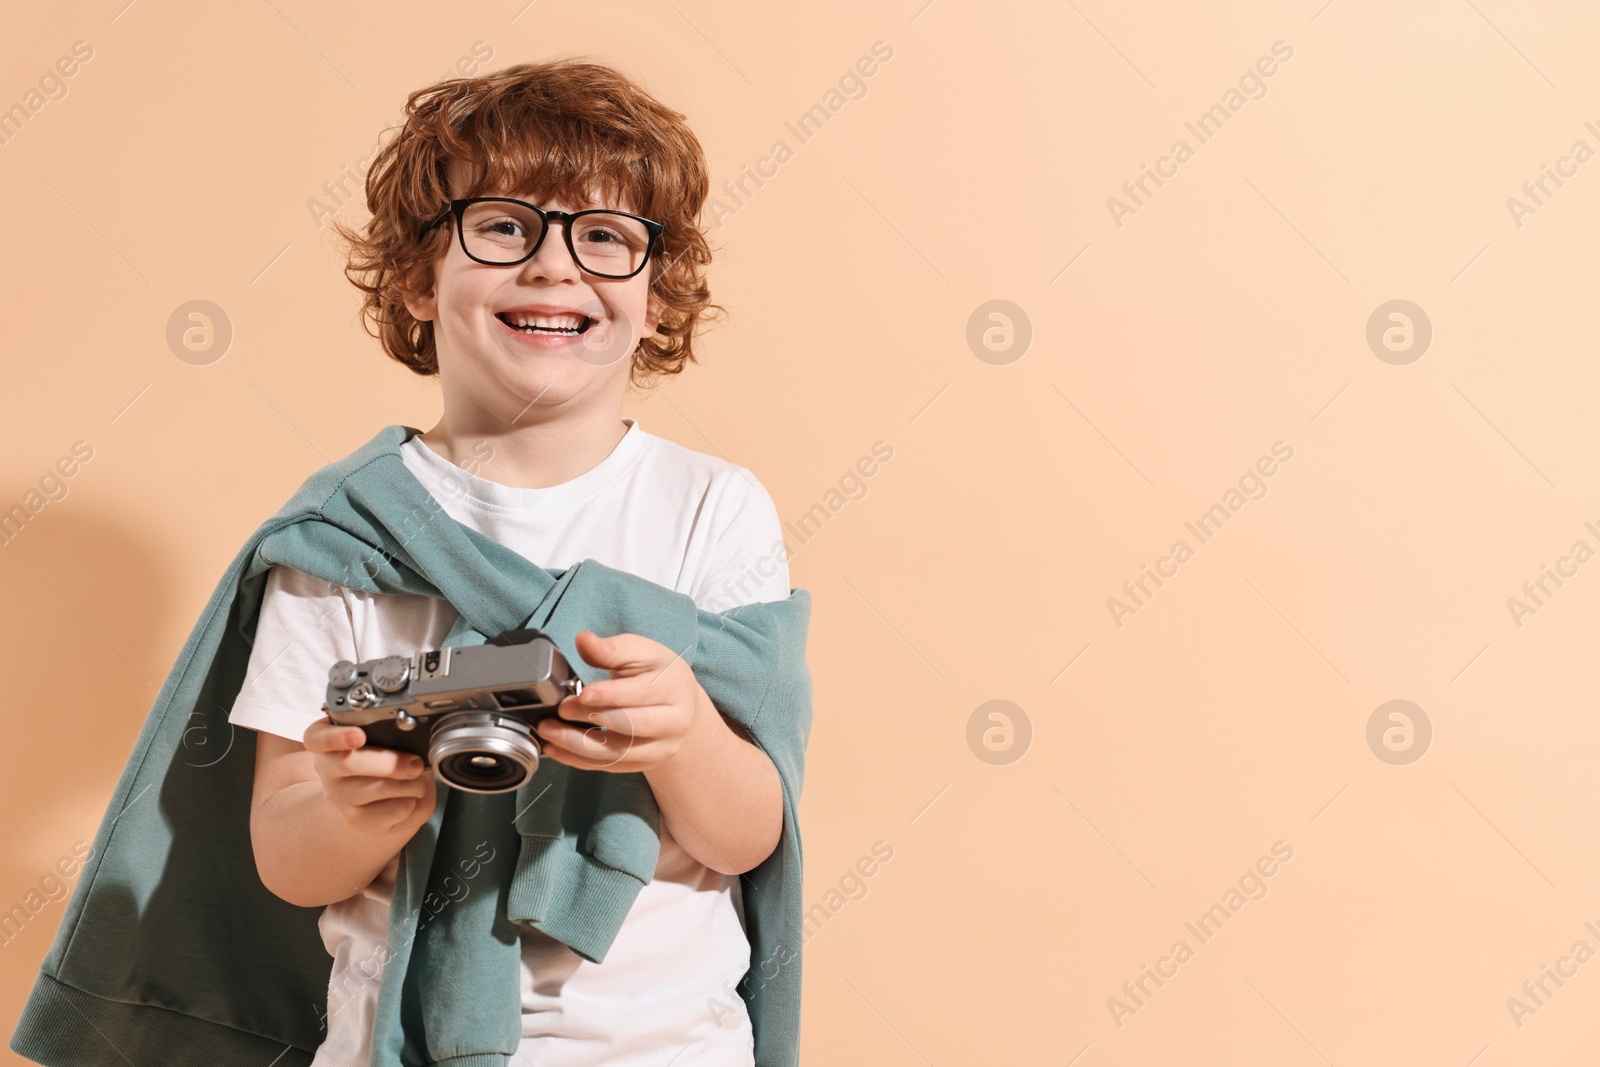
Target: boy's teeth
546	323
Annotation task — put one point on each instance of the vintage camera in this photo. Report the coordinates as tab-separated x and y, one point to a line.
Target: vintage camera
468	711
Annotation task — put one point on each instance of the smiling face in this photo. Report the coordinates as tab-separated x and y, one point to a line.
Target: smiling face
542	339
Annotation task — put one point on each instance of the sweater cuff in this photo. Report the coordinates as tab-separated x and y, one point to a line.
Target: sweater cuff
63	1026
597	898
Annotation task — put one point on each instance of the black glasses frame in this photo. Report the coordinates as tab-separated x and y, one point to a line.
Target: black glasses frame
459	207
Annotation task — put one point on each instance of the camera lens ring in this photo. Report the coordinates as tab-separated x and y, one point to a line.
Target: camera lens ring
463	736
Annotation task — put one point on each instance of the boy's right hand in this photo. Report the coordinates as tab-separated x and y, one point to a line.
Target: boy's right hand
376	790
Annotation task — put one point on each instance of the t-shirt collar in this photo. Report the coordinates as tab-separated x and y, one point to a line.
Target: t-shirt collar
451	482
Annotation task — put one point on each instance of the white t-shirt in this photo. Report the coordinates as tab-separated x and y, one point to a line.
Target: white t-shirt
691	522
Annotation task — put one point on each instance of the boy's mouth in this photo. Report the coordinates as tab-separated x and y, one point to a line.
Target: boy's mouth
567	324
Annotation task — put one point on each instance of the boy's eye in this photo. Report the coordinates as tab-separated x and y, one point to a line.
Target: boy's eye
503	228
611	237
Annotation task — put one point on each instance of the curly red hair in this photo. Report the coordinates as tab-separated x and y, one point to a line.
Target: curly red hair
567	128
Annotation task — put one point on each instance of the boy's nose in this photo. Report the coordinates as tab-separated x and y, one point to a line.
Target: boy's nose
553	260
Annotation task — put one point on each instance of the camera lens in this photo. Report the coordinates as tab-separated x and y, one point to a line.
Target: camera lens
482	772
482	752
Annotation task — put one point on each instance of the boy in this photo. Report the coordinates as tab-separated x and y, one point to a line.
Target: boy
535	322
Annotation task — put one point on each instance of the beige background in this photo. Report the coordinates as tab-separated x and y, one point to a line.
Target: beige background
1227	313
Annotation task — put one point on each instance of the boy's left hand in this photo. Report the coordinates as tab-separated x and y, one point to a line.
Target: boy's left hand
651	702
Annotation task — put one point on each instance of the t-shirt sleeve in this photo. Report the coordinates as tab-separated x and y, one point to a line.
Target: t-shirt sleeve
748	563
304	627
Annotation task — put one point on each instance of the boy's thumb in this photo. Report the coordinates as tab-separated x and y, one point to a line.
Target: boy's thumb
594	649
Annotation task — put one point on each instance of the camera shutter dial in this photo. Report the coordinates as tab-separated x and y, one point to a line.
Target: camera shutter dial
391	673
342	674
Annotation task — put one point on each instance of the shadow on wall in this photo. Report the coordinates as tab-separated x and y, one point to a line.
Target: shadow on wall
88	609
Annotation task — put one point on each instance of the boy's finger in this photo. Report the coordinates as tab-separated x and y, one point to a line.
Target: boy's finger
625	720
590	757
633	691
359	792
622	651
600	740
330	737
629	722
379	763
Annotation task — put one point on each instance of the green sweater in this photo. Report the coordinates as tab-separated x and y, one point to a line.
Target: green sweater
172	952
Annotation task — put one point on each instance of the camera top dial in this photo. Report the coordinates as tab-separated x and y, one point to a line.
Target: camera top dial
391	673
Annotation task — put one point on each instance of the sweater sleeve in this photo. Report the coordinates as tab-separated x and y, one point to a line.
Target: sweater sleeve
303	628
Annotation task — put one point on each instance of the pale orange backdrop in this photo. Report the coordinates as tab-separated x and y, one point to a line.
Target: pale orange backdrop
1175	340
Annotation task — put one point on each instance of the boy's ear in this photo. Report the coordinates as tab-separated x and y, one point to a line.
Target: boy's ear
653	310
421	302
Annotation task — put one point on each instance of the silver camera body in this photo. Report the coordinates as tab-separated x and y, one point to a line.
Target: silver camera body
468	711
